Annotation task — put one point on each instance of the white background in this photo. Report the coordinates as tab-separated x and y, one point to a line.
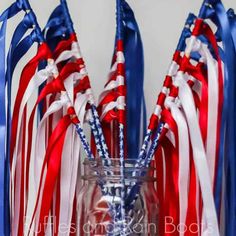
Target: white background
160	22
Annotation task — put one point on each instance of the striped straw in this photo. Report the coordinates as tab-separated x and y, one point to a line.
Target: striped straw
121	126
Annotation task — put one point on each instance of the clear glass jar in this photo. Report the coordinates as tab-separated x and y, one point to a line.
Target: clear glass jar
115	202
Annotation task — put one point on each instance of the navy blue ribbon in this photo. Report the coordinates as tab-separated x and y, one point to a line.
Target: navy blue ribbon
232	19
134	65
56	29
68	20
4	167
231	174
59	25
186	32
13	58
15	53
18	48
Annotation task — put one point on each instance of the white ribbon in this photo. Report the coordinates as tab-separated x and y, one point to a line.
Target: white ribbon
16	202
39	78
119	104
199	154
69	166
213	100
40	149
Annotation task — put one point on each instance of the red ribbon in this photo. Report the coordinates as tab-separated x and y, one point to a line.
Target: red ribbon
27	74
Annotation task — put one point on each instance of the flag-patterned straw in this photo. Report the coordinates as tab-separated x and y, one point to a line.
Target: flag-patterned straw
121	107
112	105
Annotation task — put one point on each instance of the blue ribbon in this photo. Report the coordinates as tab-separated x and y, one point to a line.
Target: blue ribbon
68	20
59	25
3	184
18	48
186	32
134	64
4	166
13	58
232	19
231	176
15	53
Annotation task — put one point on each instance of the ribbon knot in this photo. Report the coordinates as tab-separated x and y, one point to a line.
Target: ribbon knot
68	54
169	101
178	80
51	68
198	27
64	98
24	5
90	96
20	4
231	13
75	48
173	68
197	45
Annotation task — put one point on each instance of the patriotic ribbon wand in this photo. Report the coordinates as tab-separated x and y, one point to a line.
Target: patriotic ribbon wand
84	143
130	56
154	142
160	105
154	120
74	52
21	47
14	9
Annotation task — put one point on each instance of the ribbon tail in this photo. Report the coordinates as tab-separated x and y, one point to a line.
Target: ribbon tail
134	61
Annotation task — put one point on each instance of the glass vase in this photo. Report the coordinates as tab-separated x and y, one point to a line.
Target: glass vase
118	199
